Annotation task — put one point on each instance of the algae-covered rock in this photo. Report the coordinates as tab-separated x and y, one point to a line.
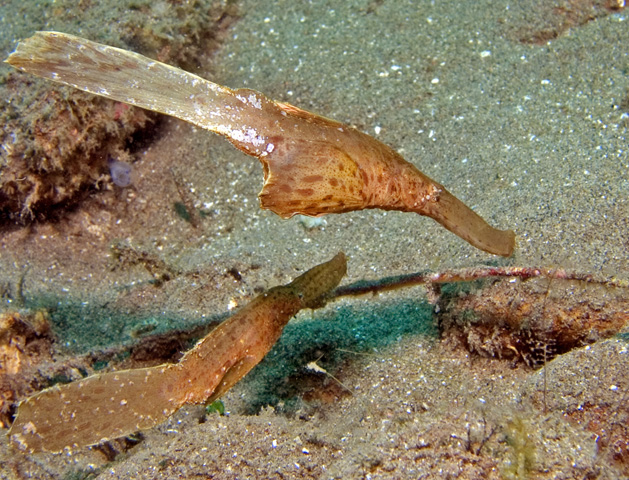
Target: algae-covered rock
56	142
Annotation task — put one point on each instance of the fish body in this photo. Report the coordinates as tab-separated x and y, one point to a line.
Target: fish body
114	404
312	165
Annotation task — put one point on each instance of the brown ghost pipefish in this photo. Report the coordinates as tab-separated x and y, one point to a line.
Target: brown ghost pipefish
312	165
114	404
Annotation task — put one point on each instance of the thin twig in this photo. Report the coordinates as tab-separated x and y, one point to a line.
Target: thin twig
363	287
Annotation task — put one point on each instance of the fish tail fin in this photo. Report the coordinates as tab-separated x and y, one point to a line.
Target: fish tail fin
95	409
124	76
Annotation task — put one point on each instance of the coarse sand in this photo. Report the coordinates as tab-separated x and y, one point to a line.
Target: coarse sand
521	109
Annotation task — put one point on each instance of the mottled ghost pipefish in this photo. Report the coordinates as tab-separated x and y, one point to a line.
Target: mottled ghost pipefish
118	403
312	165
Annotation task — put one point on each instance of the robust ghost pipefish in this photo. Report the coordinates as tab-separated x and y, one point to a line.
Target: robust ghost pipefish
118	403
312	165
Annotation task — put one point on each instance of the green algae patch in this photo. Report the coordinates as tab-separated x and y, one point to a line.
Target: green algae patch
332	340
83	328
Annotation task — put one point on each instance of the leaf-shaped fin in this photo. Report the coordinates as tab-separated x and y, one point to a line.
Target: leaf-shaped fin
94	409
310	178
233	376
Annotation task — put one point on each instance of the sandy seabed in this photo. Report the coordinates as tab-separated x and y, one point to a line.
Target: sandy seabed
519	110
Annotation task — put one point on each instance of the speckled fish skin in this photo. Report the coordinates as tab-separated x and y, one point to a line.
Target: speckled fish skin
114	404
312	165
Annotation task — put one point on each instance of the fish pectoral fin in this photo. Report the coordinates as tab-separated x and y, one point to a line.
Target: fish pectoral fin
233	376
